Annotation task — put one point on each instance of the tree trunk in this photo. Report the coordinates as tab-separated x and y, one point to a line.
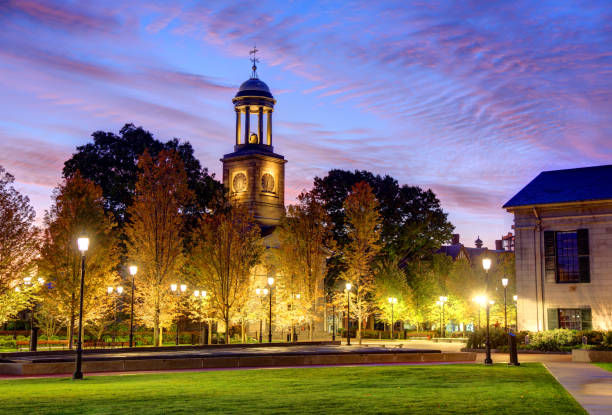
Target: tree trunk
227	338
310	329
71	330
359	328
242	332
210	331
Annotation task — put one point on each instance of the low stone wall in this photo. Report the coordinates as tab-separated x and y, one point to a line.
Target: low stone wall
587	356
127	365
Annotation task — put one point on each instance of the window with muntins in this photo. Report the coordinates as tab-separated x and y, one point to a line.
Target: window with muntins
570	318
567	257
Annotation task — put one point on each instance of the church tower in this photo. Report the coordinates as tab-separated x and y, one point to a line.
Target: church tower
254	173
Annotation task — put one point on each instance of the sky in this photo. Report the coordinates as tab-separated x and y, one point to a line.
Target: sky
471	99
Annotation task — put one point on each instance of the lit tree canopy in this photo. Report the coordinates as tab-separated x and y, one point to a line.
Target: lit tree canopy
306	240
228	246
78	211
18	245
363	230
155	241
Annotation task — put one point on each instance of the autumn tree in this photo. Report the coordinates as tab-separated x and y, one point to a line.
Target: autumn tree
306	240
155	240
363	224
199	308
228	245
18	245
78	211
390	282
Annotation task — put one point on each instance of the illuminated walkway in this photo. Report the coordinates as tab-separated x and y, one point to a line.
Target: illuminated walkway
590	385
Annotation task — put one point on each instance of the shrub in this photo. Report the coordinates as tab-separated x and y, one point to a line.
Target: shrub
8	343
553	340
477	339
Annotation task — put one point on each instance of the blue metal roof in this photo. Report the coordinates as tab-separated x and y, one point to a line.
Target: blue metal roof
561	186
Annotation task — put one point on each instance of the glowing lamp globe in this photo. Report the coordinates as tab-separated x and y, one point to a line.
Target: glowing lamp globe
83	244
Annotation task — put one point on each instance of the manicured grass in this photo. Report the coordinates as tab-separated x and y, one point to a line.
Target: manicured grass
607	366
442	389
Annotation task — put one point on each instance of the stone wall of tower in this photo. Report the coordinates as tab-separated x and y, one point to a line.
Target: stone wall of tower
268	207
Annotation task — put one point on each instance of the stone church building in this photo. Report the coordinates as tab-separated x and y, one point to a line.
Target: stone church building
255	175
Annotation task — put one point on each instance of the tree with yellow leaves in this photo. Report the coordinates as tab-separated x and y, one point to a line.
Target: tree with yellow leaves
78	210
390	282
228	245
306	240
363	232
18	246
155	237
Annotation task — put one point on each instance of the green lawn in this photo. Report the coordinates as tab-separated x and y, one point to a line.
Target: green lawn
607	366
441	389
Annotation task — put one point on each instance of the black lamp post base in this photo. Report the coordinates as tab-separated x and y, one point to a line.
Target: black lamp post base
77	376
488	362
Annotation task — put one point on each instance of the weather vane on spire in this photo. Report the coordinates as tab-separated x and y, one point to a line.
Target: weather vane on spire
254	60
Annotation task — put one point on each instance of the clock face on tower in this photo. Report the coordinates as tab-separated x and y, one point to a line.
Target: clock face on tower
240	182
267	183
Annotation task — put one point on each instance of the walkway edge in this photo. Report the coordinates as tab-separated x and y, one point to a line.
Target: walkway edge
588	384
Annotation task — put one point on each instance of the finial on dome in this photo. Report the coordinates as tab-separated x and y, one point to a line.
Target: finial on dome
254	60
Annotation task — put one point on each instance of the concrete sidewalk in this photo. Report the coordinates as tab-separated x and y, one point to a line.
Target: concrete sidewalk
590	385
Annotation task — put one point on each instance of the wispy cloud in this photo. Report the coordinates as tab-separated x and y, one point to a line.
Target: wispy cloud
462	97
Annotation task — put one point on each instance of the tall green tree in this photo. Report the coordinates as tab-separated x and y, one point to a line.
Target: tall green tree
111	162
413	222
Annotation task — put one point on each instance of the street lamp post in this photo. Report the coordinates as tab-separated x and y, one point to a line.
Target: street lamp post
293	334
443	300
392	301
348	313
480	300
270	284
119	292
202	294
83	244
515	298
486	264
261	292
505	284
33	329
133	270
333	321
175	289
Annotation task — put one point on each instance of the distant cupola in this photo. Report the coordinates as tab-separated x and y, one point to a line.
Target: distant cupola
478	242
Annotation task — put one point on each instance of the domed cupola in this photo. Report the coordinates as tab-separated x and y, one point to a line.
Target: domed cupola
254	98
254	87
253	173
